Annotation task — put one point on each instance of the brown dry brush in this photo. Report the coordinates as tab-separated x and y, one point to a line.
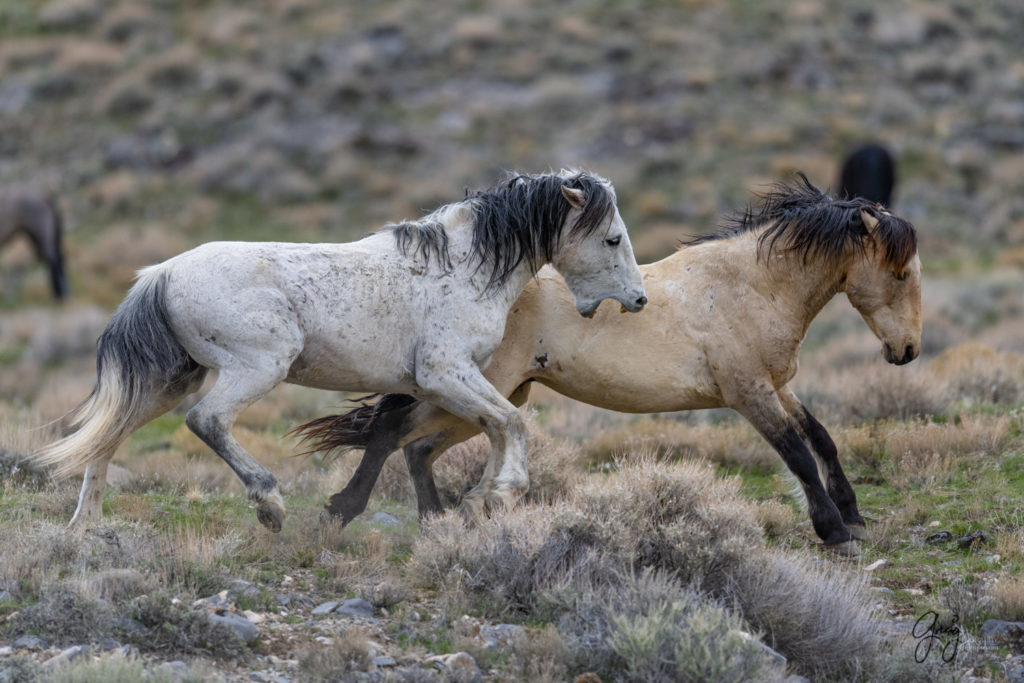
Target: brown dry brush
675	533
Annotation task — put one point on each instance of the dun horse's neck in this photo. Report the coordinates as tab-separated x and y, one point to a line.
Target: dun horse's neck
808	285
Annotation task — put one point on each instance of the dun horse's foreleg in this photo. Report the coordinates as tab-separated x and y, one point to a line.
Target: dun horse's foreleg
767	414
838	486
212	420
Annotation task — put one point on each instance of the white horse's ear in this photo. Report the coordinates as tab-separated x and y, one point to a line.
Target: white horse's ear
870	222
575	197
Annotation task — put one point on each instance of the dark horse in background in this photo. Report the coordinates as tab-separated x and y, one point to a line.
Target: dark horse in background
868	172
36	215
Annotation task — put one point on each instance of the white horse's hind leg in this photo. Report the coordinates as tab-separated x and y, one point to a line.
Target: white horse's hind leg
213	418
90	499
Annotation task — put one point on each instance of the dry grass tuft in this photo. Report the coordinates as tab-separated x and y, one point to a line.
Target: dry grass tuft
926	454
731	444
1006	598
347	654
976	372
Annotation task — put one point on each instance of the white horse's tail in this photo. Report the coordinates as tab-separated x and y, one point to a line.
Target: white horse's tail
137	360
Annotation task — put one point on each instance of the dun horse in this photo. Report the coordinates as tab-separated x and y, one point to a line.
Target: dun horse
726	317
418	308
38	217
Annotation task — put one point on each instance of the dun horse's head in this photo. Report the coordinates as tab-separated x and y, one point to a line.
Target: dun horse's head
599	264
885	285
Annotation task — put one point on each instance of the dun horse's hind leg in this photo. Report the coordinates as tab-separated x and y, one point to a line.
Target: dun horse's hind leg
766	413
838	486
213	418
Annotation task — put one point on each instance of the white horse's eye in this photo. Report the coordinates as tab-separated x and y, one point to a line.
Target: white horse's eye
613	241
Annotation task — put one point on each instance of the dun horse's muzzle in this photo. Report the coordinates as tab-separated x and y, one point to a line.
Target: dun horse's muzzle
908	354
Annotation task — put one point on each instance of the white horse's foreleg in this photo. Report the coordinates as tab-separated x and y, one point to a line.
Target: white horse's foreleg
90	499
463	391
213	418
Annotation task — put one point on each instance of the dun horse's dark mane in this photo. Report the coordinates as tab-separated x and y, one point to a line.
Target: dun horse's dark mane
801	219
518	220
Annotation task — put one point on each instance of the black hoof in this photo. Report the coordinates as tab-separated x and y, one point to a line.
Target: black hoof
341	508
858	531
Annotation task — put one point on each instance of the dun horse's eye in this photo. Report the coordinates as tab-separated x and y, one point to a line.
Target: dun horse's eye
901	276
613	241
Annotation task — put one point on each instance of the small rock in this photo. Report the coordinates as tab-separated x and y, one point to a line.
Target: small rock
461	667
242	627
972	539
324	608
283	599
384	661
303	601
1014	669
502	635
177	668
882	589
940	537
877	564
385	519
356	607
998	630
69	655
221	600
4	595
30	643
6	651
129	626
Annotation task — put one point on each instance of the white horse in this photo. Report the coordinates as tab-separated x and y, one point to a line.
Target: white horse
417	308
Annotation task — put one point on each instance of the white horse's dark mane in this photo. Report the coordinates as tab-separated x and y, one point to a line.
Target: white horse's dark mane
802	219
518	220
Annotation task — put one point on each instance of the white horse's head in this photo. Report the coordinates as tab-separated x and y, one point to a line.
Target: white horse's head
599	264
885	286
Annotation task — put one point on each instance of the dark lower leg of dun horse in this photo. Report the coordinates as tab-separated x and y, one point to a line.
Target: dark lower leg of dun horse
839	489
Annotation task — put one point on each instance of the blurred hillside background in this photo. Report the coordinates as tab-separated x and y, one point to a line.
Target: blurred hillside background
164	124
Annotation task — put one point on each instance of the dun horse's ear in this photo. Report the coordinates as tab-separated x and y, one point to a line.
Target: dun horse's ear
870	222
576	198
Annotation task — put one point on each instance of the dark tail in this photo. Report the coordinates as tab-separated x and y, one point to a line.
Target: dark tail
355	429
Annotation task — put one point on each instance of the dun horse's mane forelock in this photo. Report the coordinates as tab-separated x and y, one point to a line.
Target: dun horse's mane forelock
802	219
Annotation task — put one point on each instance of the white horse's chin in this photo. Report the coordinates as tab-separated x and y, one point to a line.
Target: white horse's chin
587	308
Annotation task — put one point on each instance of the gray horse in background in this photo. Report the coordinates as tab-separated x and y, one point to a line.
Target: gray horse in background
37	216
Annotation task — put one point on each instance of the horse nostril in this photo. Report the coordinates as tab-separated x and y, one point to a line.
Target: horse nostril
908	353
642	301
